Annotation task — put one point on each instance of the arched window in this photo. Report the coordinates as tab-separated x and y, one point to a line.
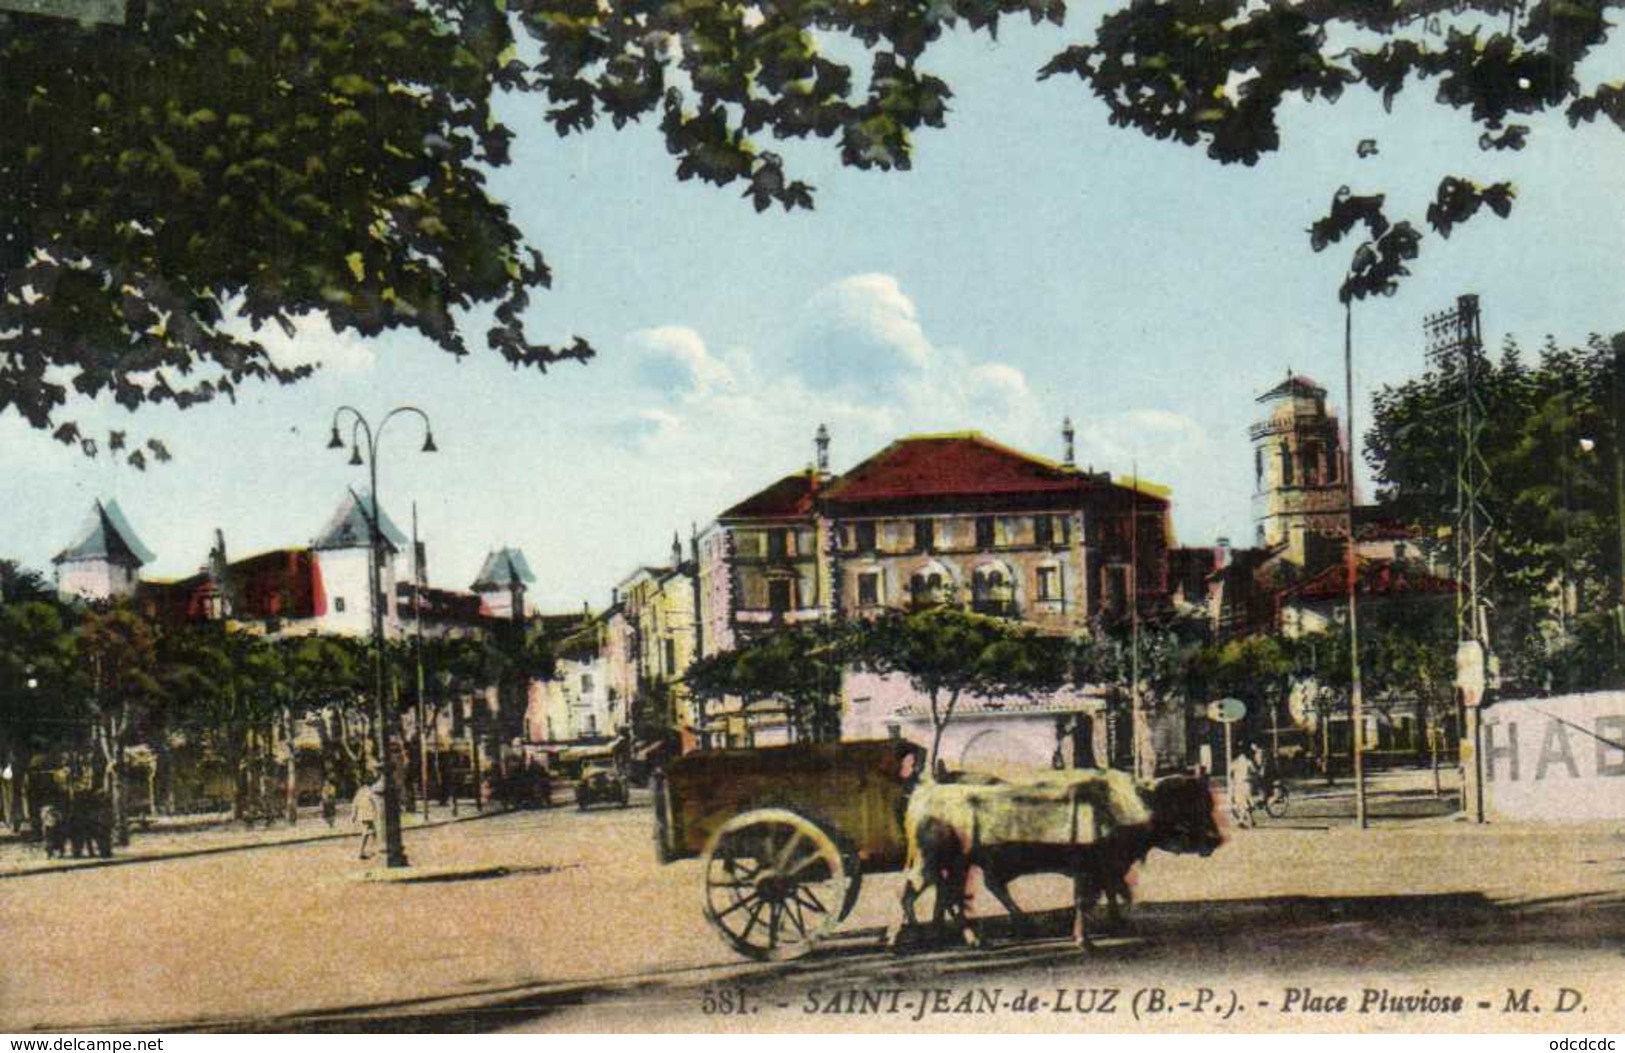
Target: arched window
993	589
930	586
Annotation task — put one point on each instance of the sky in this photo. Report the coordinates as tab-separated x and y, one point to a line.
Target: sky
1034	264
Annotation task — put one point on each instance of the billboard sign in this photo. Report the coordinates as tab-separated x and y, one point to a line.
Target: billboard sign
1559	760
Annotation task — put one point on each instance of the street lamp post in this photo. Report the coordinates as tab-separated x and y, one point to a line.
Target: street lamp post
1351	559
360	430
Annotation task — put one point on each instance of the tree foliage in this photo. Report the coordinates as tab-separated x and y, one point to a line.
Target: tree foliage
174	184
1550	443
946	653
799	666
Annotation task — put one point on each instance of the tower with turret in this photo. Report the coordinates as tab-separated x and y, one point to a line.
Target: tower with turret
1297	465
105	560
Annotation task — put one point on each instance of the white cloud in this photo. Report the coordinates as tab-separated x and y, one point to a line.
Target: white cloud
313	343
859	332
674	358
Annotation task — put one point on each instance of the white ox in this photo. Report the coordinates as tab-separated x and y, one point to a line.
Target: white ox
1091	825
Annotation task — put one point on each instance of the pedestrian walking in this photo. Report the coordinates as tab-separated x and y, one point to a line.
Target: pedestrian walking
1242	779
364	812
330	804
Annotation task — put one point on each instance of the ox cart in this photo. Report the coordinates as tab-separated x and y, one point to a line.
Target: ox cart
786	833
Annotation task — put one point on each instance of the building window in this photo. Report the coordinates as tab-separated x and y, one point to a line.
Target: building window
865	533
992	591
1049	583
586	683
778	543
671	657
926	589
1044	530
924	535
869	589
984	532
1286	467
779	596
592	725
894	731
338	604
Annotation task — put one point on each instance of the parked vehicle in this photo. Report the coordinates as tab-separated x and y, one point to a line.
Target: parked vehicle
601	784
525	788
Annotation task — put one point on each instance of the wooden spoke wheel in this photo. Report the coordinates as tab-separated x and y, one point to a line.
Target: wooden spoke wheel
775	883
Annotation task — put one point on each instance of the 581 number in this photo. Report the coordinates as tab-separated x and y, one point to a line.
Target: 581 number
724	1001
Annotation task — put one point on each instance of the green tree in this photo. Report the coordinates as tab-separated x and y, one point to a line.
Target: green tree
38	711
118	651
1550	441
946	653
799	666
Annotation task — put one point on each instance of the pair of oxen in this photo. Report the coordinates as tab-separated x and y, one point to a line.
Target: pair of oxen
1090	825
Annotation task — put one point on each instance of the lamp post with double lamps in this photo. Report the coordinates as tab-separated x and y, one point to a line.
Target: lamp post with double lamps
362	435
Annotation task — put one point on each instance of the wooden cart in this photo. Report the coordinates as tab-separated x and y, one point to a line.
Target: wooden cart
786	833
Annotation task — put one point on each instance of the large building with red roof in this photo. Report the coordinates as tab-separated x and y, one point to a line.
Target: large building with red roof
933	519
954	518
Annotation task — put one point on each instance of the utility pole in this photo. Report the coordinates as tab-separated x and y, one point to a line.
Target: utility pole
1136	713
1619	482
1455	344
418	578
1351	565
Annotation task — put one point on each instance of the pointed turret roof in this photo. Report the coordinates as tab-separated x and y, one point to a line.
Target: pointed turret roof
1294	384
106	535
348	527
501	568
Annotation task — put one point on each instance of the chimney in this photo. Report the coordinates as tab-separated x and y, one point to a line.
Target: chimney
1069	458
821	441
1221	553
676	551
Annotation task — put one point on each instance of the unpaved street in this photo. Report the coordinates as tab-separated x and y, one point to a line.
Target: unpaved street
563	920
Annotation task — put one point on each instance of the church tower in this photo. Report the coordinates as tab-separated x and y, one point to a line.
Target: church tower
1297	465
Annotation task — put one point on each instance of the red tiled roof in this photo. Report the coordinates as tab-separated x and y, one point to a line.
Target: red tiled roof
959	464
1381	577
285	583
790	497
441	604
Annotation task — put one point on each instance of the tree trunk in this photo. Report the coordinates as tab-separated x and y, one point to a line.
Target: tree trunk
14	787
292	762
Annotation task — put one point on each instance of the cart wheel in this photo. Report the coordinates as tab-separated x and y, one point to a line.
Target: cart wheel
1275	801
775	883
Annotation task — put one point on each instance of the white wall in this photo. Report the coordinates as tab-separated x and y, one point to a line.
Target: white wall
987	741
345	577
1556	760
94	579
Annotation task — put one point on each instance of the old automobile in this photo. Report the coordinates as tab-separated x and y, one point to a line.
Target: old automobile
601	784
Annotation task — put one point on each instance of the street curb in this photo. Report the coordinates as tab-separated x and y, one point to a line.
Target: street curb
68	866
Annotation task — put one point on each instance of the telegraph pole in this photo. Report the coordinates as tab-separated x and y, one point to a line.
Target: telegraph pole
1455	343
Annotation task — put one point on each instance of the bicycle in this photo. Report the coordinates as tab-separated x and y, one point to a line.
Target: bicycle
1273	799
